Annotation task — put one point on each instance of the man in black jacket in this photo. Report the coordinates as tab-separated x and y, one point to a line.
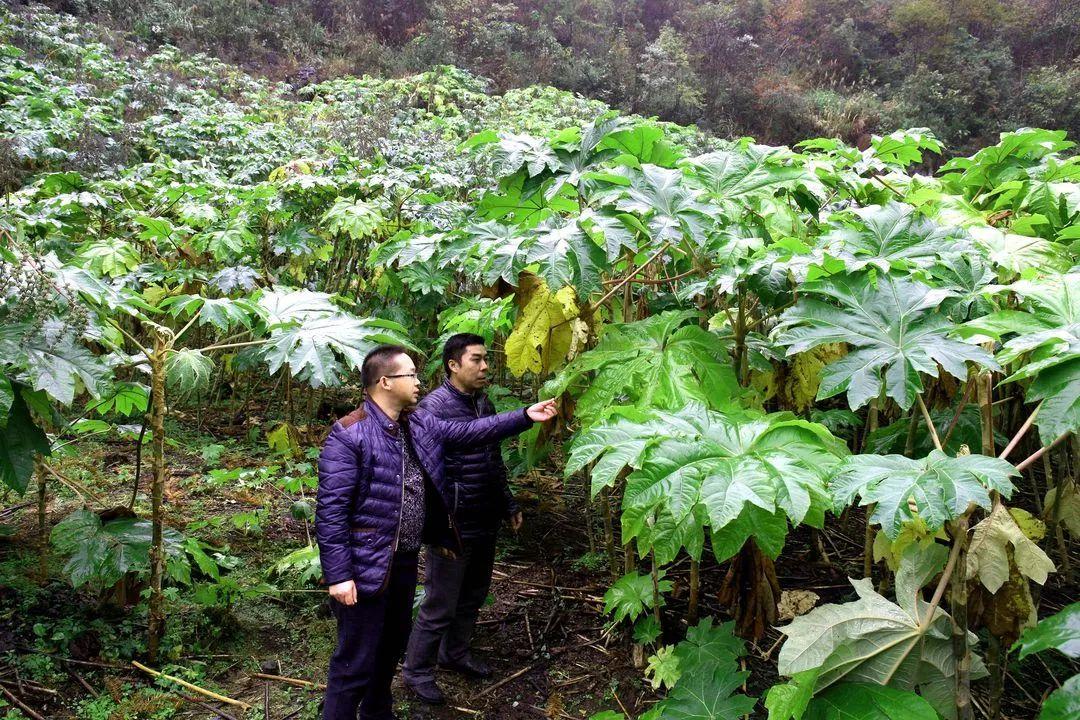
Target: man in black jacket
456	587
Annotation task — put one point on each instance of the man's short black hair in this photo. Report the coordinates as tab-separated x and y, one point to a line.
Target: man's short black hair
380	362
455	347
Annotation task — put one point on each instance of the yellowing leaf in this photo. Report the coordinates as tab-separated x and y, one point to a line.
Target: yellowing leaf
988	558
544	331
1031	526
912	533
284	440
1070	507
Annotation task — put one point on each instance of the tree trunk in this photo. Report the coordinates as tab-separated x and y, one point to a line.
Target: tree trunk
695	591
156	619
43	522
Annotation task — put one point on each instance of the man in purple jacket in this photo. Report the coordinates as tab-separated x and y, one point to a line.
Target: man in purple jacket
381	494
455	587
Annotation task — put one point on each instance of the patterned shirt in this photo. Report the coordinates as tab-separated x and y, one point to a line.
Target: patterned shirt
412	502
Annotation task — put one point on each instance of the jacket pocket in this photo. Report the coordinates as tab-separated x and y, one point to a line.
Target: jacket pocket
362	535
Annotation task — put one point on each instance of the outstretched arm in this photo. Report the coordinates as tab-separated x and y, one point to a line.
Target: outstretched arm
494	428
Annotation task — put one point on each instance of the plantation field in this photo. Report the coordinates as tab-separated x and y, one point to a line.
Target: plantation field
816	452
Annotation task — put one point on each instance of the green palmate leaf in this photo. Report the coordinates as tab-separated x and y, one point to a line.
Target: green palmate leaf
708	646
729	175
742	477
188	370
904	147
1063	703
663	668
320	350
353	217
656	362
228	242
221	313
51	359
893	236
875	641
616	231
284	305
101	553
567	256
863	701
940	487
20	440
895	330
666	204
501	248
631	595
514	152
788	701
705	696
1044	344
112	257
1059	632
647	630
619	442
125	399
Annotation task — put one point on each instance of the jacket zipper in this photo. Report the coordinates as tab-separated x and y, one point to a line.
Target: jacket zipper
397	532
401	505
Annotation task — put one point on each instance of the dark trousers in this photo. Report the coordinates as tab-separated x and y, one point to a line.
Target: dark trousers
454	591
370	639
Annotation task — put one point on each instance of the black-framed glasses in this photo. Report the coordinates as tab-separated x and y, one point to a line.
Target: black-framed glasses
414	376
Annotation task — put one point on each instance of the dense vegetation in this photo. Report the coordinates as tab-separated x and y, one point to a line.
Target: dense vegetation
813	357
779	71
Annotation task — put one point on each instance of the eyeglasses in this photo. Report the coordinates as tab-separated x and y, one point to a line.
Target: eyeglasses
412	375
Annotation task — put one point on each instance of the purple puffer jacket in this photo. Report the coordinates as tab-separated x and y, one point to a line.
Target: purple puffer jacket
475	474
358	509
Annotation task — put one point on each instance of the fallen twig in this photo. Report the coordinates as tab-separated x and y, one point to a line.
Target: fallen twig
290	681
508	678
192	687
22	706
206	706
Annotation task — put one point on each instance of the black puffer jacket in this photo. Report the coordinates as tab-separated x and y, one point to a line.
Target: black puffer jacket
475	475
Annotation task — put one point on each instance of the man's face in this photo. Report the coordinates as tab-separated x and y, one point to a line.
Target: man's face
405	385
471	372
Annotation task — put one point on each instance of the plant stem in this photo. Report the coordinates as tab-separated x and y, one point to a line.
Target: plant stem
695	592
1021	432
1043	450
156	616
929	423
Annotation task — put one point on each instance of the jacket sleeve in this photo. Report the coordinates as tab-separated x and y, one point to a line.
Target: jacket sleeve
339	478
492	428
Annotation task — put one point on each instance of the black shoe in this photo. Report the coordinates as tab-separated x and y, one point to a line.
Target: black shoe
469	667
427	691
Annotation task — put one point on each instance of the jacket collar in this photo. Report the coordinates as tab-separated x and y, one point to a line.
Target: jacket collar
458	393
380	417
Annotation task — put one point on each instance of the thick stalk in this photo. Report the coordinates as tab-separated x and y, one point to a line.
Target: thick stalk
655	574
868	531
985	397
156	619
609	532
958	605
695	592
1055	517
996	668
43	520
